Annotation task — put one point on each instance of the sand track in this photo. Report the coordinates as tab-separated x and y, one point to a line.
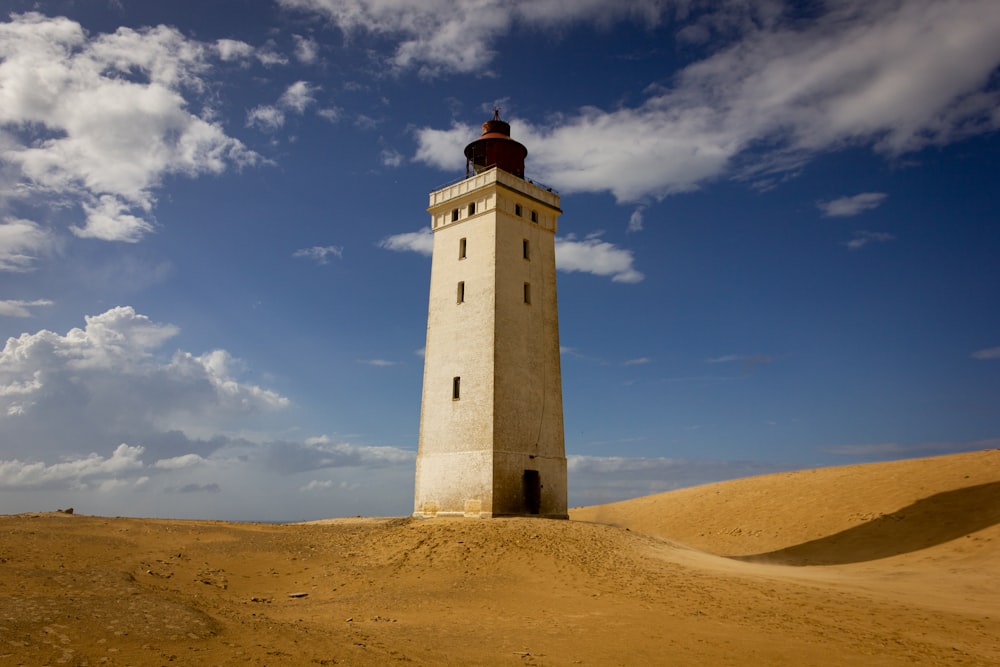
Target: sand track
870	565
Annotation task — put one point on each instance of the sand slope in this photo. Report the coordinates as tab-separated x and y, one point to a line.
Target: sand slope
886	564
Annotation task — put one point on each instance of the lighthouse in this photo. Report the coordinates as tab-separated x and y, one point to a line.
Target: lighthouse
491	417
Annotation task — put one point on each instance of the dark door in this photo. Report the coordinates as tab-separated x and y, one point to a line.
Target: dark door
532	492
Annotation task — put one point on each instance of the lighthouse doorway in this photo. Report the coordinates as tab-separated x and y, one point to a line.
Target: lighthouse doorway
532	492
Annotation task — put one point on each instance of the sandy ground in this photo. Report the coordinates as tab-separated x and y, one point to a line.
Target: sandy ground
884	564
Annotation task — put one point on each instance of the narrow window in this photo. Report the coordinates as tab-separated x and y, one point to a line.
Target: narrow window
456	388
454	214
534	216
461	292
472	208
527	292
461	248
517	210
525	249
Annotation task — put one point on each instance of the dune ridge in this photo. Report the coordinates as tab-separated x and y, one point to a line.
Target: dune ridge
880	564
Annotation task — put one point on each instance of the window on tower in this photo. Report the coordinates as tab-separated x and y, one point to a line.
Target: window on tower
517	210
454	214
534	216
456	388
525	246
527	292
461	292
472	208
461	248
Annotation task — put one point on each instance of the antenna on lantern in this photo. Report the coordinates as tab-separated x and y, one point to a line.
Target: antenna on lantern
495	148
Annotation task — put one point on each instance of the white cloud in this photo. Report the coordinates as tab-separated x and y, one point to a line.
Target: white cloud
15	473
331	114
112	381
640	361
863	238
988	353
592	255
268	56
298	96
421	242
897	76
233	49
320	453
391	158
317	485
266	117
320	254
438	36
100	121
379	363
635	220
16	308
179	462
843	207
109	220
62	396
306	49
21	241
296	99
445	148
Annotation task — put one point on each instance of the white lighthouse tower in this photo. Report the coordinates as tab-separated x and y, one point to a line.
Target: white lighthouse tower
491	418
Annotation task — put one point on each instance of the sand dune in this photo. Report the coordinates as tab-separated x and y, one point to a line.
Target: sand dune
883	564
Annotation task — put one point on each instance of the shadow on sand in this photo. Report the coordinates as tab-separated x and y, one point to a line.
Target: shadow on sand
928	522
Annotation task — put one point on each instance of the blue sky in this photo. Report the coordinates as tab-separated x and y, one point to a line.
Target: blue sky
778	249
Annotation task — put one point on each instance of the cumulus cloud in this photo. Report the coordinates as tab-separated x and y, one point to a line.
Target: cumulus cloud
298	96
21	242
306	49
100	120
17	308
321	453
440	37
233	49
896	76
67	400
265	117
844	207
79	471
421	242
111	380
592	255
109	219
296	99
320	254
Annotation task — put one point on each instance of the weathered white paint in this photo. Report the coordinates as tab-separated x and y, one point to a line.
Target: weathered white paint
474	451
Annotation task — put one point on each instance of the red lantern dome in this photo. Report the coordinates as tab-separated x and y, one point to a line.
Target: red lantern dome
495	148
